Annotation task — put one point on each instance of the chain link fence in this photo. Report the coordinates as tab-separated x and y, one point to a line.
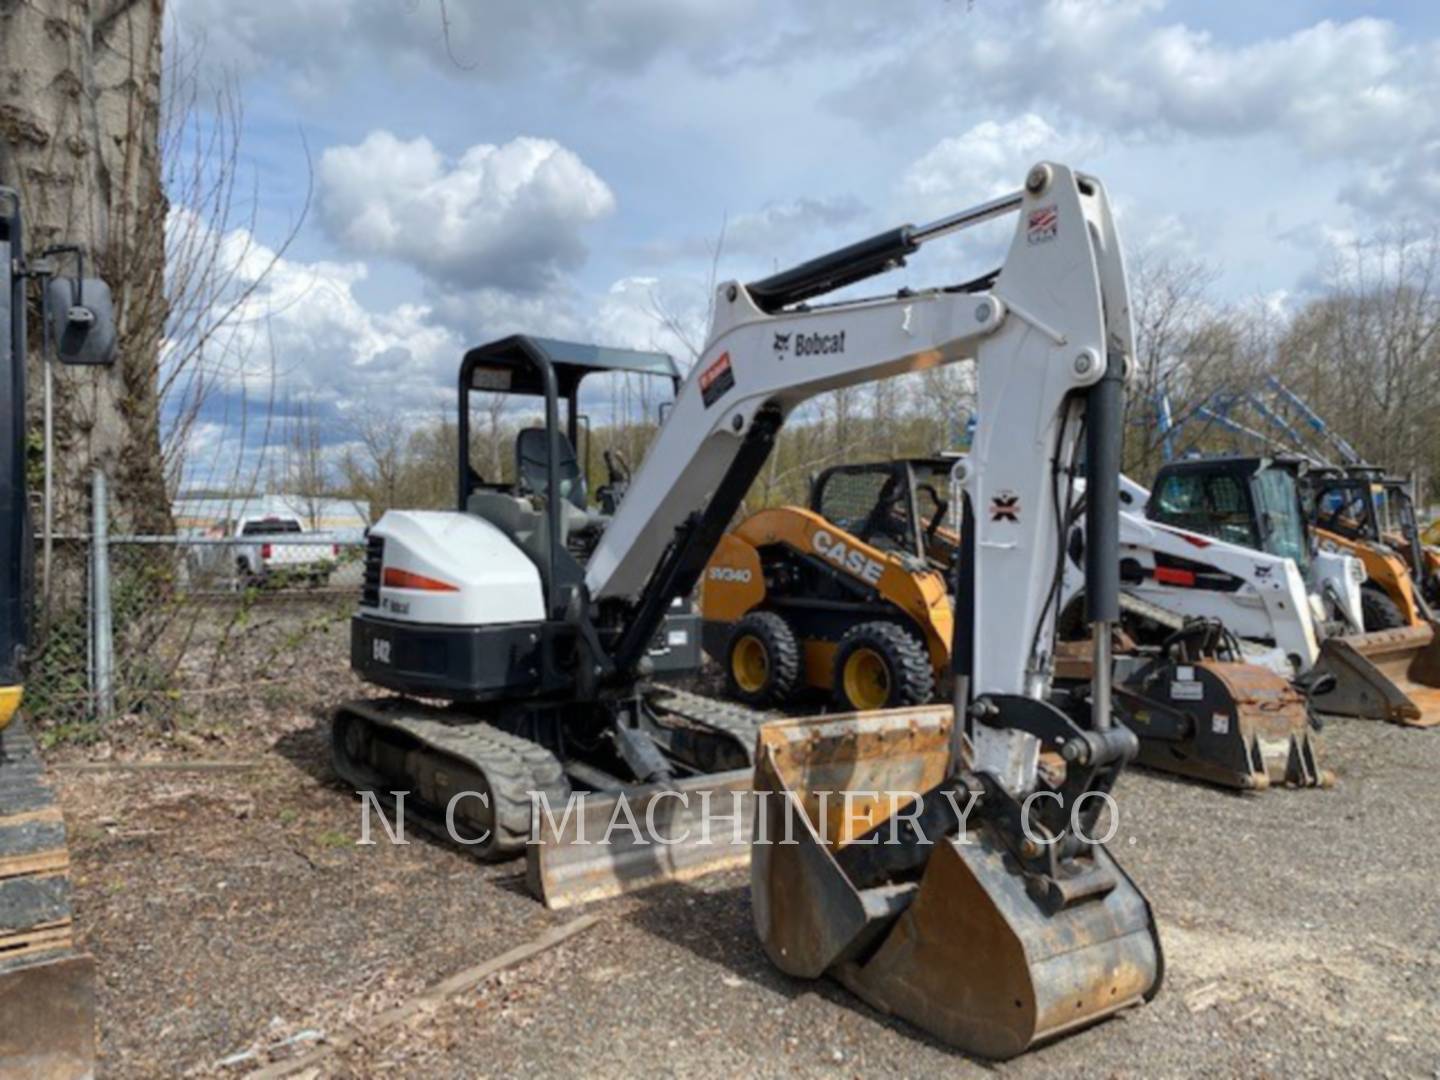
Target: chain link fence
169	628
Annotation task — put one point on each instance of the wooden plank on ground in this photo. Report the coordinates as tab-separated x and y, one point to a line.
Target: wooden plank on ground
430	997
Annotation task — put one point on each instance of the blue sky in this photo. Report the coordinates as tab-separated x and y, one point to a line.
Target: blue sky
566	167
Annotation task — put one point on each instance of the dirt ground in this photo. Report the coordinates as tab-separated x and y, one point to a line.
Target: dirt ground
232	916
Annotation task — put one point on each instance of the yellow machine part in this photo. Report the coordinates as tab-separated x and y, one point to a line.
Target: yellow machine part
9	702
1384	568
734	585
964	951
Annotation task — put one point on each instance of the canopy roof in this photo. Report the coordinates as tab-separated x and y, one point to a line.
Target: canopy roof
515	365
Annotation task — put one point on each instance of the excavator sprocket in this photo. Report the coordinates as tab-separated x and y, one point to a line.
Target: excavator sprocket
963	949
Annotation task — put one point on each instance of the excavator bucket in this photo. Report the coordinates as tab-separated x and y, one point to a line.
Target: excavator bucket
674	832
1389	675
955	943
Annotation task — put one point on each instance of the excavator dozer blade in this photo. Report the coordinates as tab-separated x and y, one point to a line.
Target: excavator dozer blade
661	833
1389	675
963	951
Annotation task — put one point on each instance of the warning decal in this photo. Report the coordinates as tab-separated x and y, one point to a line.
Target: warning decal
1042	225
716	380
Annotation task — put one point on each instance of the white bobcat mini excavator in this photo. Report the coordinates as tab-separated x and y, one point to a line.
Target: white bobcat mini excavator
992	930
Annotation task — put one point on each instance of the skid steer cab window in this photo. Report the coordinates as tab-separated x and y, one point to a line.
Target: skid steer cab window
872	506
1212	504
1280	522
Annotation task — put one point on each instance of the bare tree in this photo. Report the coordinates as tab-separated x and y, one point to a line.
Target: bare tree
306	472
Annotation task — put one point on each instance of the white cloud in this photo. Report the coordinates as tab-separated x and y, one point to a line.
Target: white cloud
1406	184
298	331
314	41
506	217
989	159
647	313
1336	88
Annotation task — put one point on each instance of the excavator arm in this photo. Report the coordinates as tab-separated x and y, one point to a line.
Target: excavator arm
1050	325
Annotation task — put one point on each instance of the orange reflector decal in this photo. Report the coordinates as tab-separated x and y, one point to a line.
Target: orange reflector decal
1169	576
404	579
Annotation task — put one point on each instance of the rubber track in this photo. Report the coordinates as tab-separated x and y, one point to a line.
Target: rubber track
741	723
514	766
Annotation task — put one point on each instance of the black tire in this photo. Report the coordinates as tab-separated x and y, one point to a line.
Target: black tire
1378	611
890	659
762	660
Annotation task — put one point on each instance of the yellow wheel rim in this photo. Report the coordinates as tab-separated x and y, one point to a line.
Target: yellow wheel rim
750	664
866	679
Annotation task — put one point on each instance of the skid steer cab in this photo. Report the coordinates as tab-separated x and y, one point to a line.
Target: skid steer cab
1378	640
1361	511
848	596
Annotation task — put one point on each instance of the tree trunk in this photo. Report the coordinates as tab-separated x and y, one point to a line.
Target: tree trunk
79	138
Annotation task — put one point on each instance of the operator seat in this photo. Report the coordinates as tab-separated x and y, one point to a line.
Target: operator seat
532	459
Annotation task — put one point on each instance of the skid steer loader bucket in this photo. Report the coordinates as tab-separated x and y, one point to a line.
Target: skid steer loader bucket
663	833
1389	675
948	937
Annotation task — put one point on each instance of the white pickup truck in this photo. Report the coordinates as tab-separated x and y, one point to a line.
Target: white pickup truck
249	552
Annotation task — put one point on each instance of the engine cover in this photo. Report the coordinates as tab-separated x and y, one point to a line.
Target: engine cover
451	569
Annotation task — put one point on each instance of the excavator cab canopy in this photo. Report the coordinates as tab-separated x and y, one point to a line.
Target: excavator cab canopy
545	457
526	366
1251	501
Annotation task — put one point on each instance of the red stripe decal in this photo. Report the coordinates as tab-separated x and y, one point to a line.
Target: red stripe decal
404	579
1169	576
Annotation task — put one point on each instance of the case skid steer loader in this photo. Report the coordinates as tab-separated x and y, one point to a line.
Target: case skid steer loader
1013	924
849	596
47	984
1362	512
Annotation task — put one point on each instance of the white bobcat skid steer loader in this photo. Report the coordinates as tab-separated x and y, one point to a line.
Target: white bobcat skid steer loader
540	643
1257	569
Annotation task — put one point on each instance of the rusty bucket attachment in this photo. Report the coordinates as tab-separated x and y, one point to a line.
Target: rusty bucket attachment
1221	721
1236	725
1389	675
605	847
949	935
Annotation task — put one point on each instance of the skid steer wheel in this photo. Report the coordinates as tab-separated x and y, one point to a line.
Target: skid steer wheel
1378	611
881	665
762	662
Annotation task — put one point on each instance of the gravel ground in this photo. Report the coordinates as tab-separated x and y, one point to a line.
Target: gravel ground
231	912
